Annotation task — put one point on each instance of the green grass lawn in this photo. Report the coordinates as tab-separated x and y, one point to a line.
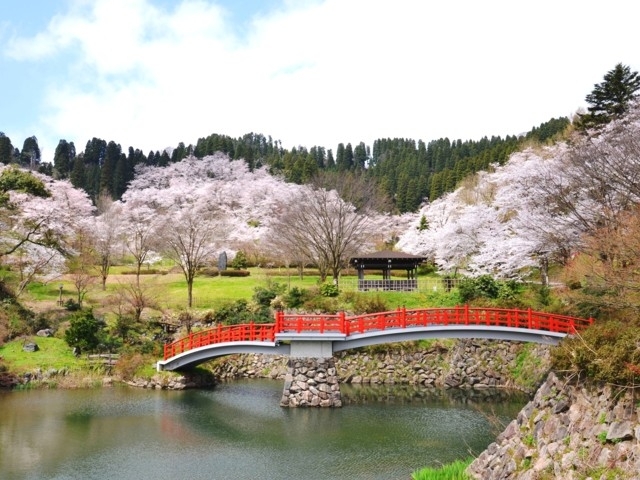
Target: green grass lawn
169	290
53	353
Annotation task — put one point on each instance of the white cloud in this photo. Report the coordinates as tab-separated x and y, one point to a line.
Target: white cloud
321	72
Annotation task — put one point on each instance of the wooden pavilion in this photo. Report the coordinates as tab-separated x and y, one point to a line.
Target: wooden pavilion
387	260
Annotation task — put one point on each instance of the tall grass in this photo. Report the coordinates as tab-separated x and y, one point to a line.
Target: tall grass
451	471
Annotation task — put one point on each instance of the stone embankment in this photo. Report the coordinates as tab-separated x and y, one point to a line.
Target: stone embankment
568	431
182	382
459	364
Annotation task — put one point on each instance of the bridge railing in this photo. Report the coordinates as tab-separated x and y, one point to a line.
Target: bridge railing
400	318
253	332
464	315
310	323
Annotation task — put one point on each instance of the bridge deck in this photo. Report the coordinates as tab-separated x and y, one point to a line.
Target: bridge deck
342	332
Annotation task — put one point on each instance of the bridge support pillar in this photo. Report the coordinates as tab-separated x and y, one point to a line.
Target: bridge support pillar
311	382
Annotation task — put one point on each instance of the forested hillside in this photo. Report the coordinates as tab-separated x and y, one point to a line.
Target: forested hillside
409	171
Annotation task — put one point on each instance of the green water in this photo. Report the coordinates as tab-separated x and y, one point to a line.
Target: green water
238	431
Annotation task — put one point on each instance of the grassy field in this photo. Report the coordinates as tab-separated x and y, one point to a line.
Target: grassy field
169	290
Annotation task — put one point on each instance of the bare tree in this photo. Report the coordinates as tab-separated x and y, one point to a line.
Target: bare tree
81	264
607	268
192	236
325	227
132	298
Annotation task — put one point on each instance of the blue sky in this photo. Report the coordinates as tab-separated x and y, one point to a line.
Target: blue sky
152	73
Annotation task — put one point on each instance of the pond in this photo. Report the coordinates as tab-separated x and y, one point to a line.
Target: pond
238	430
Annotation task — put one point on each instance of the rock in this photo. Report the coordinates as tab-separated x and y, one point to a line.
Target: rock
30	347
620	431
46	332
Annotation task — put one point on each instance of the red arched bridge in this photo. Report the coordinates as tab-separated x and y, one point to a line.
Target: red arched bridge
316	336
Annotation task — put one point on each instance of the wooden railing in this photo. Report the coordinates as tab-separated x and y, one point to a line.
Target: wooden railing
400	318
260	332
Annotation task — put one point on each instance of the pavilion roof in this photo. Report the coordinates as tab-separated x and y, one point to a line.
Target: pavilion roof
387	258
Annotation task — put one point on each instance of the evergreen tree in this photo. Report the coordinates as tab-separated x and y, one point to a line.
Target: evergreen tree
610	99
120	178
63	158
107	174
95	151
77	175
331	163
179	153
164	159
348	157
30	154
340	157
360	155
6	149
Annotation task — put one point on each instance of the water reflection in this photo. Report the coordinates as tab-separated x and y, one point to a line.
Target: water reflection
238	430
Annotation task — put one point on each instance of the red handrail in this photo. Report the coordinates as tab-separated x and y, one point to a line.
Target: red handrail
400	318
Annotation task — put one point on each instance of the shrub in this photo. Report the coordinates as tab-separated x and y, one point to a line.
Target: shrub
368	304
144	271
322	304
264	295
329	290
235	273
239	261
209	272
242	311
296	297
71	305
128	365
605	352
84	332
485	286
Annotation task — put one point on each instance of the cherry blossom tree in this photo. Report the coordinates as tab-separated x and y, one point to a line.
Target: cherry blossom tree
106	232
32	262
40	218
140	227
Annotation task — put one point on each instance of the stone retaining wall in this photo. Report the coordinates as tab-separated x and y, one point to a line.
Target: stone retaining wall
568	431
460	364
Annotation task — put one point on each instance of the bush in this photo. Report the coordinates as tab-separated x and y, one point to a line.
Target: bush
296	297
367	304
128	365
209	272
485	286
264	295
235	273
241	311
71	305
240	261
329	290
84	332
608	351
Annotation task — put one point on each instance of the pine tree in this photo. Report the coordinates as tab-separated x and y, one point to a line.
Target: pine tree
63	158
340	157
78	174
6	149
360	155
611	98
348	157
30	154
